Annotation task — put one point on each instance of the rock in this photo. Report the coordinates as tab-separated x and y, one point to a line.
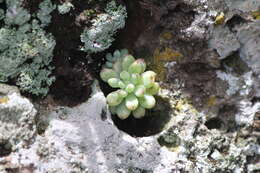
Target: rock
17	115
224	41
246	113
245	6
248	36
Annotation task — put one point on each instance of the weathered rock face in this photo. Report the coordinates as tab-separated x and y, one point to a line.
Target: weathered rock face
210	73
85	139
17	114
212	50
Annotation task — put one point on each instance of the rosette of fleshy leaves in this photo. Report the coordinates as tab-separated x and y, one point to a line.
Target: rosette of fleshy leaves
136	86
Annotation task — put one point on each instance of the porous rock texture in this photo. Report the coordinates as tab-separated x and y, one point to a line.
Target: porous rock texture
17	114
211	82
83	139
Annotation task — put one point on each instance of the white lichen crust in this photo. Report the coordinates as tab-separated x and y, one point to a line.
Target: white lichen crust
17	118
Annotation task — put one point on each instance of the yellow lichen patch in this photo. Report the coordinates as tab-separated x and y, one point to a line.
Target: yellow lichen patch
211	101
162	57
175	149
4	100
167	35
220	19
180	105
256	15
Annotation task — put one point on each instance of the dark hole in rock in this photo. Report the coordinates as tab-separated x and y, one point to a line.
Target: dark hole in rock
255	100
72	81
41	126
5	148
74	69
235	20
12	170
153	122
156	118
2	6
72	88
235	63
169	139
253	159
227	116
214	123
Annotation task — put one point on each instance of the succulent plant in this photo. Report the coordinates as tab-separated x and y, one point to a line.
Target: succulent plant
136	86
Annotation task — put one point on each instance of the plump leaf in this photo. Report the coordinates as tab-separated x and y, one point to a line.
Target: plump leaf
131	102
106	74
139	112
114	99
127	61
148	78
138	66
130	88
139	91
147	101
124	75
153	89
122	111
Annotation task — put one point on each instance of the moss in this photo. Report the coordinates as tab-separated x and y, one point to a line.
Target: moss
170	140
161	57
167	35
256	15
211	101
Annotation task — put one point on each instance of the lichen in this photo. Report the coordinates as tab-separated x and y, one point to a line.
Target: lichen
15	14
241	84
167	35
256	15
211	101
27	44
161	57
65	7
4	100
220	19
100	35
44	14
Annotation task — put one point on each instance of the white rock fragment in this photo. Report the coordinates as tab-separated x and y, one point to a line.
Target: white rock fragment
217	155
246	113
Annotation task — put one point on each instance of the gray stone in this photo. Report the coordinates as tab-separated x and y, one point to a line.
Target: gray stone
17	115
224	41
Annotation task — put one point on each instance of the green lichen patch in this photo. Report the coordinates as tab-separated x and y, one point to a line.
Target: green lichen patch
100	35
169	139
27	44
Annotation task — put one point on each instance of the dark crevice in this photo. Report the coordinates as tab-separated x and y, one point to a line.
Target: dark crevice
255	100
153	122
5	148
227	115
156	118
3	7
72	70
234	63
32	5
214	123
235	20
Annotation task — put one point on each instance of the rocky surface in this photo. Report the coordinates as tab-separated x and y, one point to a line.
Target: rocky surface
17	116
85	139
209	69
